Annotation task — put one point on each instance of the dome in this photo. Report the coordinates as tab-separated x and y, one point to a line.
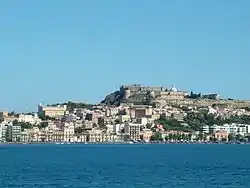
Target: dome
174	89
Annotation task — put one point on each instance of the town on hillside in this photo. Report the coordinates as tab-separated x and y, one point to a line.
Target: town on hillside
133	114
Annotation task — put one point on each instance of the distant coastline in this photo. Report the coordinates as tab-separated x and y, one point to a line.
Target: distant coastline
134	113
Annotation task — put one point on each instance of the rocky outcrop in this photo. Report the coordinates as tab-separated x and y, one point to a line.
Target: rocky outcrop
114	98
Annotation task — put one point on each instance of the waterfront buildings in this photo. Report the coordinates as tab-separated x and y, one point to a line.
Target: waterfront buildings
68	132
221	135
13	133
233	128
133	130
135	117
146	135
3	130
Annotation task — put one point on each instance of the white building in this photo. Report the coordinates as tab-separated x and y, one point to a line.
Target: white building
3	130
110	128
13	133
243	129
68	132
34	120
234	128
206	129
133	130
111	112
117	128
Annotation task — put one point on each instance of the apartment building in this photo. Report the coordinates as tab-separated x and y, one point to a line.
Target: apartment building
133	130
3	130
13	133
233	128
32	119
68	133
221	135
101	137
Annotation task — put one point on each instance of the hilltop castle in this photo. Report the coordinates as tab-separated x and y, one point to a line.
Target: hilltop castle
137	94
144	94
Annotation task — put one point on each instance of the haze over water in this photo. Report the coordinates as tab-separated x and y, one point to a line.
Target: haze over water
140	166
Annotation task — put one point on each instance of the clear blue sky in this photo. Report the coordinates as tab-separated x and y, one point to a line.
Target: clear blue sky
60	50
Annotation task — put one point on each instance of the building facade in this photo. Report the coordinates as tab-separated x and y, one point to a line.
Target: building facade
13	133
52	111
133	130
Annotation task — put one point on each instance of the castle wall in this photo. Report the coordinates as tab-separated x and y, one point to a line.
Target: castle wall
202	102
140	94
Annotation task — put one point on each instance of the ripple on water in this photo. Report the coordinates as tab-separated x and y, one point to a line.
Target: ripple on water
125	166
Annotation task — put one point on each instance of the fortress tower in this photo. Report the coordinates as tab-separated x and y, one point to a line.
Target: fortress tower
127	93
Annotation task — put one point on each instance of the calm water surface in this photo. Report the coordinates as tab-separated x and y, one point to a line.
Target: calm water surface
142	166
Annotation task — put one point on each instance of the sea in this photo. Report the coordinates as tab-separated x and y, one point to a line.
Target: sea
125	166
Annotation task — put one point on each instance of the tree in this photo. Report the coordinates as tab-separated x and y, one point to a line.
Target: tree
15	122
240	138
231	137
213	139
79	130
186	137
148	126
94	125
25	125
178	137
189	137
117	121
174	137
171	124
45	118
43	125
167	138
170	136
156	137
200	137
73	105
153	129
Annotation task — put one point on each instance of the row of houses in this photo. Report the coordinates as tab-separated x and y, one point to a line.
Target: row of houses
68	133
238	129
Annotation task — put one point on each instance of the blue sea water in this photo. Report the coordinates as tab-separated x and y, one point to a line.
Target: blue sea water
140	166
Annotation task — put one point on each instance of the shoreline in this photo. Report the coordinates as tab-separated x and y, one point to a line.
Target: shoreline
124	143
